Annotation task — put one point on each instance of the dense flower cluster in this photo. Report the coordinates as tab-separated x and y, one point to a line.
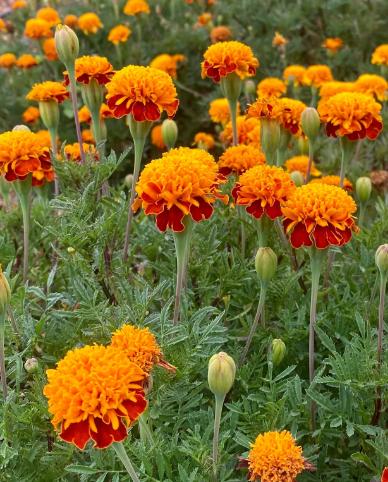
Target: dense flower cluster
219	111
50	15
248	130
238	159
316	75
300	163
37	28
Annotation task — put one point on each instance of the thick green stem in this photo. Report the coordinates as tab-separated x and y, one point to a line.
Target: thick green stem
97	132
3	373
53	132
264	226
380	332
119	54
123	456
233	117
23	191
314	95
310	164
346	156
241	215
216	435
144	429
74	101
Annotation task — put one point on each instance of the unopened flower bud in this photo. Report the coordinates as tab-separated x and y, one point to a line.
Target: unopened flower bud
5	292
303	145
66	44
297	177
128	180
266	263
93	95
311	122
169	133
221	374
381	258
270	135
363	188
22	128
70	250
249	88
49	112
278	351
31	365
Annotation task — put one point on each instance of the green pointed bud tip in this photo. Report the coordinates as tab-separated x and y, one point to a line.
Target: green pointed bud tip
22	128
169	132
311	122
66	44
270	135
93	95
221	374
278	348
5	292
266	263
298	178
31	365
249	88
381	258
363	188
49	113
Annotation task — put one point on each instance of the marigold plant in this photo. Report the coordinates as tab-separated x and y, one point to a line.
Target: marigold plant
37	28
7	60
328	89
157	137
92	67
73	151
89	23
265	108
316	75
238	159
135	7
334	180
31	115
167	63
271	87
221	33
47	91
333	44
50	15
49	49
204	140
248	129
119	34
291	113
372	84
26	61
300	163
294	74
380	55
71	21
219	111
279	40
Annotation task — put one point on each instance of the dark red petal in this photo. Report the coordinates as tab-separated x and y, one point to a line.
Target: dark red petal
273	211
320	235
106	434
331	130
374	129
203	211
300	237
384	476
138	111
255	209
77	434
135	409
235	192
162	220
175	218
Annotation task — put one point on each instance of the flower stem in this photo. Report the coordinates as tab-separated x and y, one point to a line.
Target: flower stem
311	157
264	226
74	101
145	431
216	435
123	456
233	117
53	131
97	133
23	191
241	215
2	355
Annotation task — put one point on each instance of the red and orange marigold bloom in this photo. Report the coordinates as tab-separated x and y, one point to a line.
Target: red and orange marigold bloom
372	84
380	55
89	23
271	87
84	115
184	182
279	40
87	137
328	89
333	44
49	49
47	91
143	92
219	111
95	393
222	33
135	7
50	15
73	151
37	28
275	457
300	163
353	115
119	34
44	137
92	67
139	345
7	60
204	19
105	112
291	113
334	180
294	74
224	58
240	158
167	63
204	140
265	108
157	137
26	61
319	215
248	130
262	190
31	115
316	75
71	21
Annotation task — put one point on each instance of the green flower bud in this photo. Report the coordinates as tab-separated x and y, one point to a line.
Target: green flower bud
93	95
249	88
298	178
221	374
169	133
278	351
311	122
5	292
66	44
31	365
128	180
381	258
231	87
49	112
266	263
21	127
70	250
303	145
270	135
363	188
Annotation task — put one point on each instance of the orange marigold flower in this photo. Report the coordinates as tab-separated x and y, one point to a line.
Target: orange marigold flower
17	4
37	28
248	130
139	345
294	74
219	111
134	7
87	136
167	63
157	138
71	21
291	113
184	182
31	115
95	393
265	108
353	115
84	115
300	163
271	87
50	15
73	152
144	92
23	153
26	61
238	159
380	55
263	189
316	75
333	44
222	33
89	23
204	19
372	84
119	34
47	91
44	137
204	140
224	58
92	67
328	89
320	215
334	181
7	60
279	40
3	25
49	49
275	457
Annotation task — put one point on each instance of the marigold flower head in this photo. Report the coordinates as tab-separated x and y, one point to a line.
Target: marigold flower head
184	182
73	151
37	28
49	49
44	137
372	84
50	15
18	4
23	153
135	7
238	159
279	40
157	137
31	115
334	181
144	92
84	115
219	111
7	60
204	140
47	91
319	215
300	163
265	108
380	55
222	33
3	25
89	23
105	112
275	457
204	19
353	115
95	393
92	67
224	58
271	87
291	113
328	89
316	75
333	44
26	61
167	63
294	74
71	21
263	189
248	129
119	34
87	136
